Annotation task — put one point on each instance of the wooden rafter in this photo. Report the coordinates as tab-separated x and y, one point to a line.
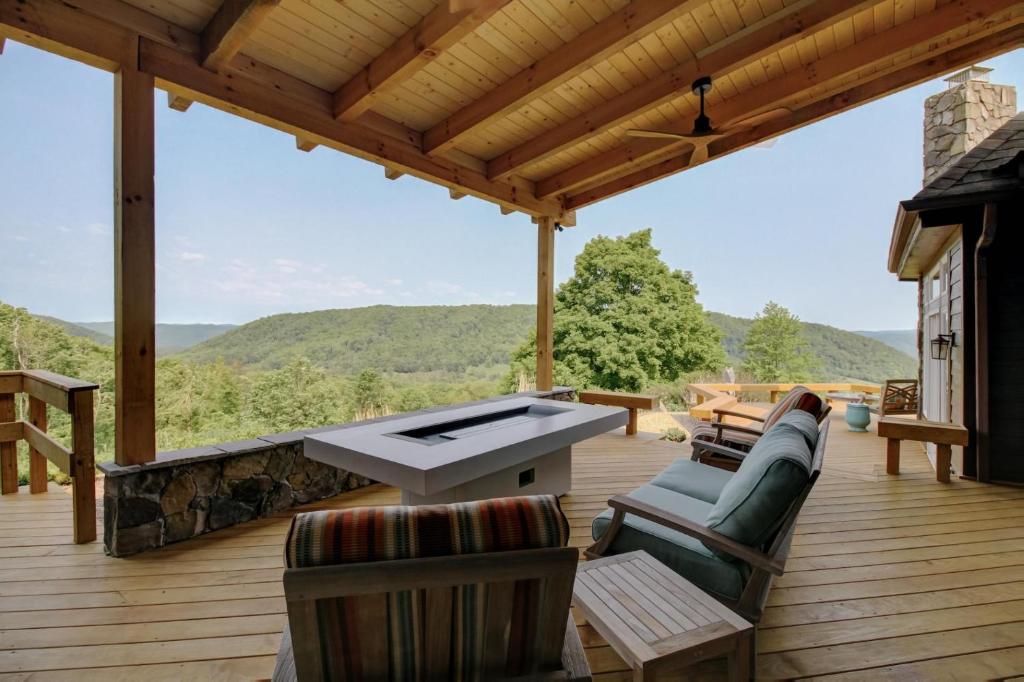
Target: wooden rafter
772	33
590	47
304	145
177	102
434	34
776	92
244	87
230	27
908	76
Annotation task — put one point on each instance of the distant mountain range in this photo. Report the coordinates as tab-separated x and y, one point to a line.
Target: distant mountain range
474	340
901	339
170	338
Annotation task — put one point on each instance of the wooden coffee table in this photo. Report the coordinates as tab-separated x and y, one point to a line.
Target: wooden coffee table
657	621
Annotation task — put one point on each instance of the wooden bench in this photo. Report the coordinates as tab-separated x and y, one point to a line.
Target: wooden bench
631	401
943	434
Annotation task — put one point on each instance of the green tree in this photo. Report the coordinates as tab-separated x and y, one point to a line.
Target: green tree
775	348
625	320
296	396
369	395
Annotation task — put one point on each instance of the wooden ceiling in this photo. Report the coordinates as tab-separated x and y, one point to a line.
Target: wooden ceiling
524	103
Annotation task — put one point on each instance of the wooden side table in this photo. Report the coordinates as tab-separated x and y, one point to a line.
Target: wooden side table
944	436
657	621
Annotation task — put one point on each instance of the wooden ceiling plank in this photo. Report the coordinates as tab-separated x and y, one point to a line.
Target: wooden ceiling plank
877	48
248	89
435	33
229	28
909	76
744	48
591	46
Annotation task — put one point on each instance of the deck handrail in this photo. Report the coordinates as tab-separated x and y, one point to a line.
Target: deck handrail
67	394
724	395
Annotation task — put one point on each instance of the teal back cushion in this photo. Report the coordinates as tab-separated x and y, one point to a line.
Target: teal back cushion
754	501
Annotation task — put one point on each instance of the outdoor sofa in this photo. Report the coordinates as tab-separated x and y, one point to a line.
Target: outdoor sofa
728	533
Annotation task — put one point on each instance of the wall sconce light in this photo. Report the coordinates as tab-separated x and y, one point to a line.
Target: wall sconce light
941	345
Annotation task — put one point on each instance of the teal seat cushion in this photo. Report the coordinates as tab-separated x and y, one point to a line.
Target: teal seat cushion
754	501
694	479
685	555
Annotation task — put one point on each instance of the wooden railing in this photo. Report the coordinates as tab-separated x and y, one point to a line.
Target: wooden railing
63	393
710	397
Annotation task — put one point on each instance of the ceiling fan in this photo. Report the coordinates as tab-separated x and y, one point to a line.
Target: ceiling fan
703	133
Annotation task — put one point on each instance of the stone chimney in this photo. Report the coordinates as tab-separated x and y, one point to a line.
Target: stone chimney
967	112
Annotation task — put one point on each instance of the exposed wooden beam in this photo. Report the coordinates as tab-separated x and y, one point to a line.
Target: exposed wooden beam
505	210
304	145
229	28
177	102
455	194
909	76
134	269
392	174
246	88
545	302
2	42
876	49
599	41
433	35
769	35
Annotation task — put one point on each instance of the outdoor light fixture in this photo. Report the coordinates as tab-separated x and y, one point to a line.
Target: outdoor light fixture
941	345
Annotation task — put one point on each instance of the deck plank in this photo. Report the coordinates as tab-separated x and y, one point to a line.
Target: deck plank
890	578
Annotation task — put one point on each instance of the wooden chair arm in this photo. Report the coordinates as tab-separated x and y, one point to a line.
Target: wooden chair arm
716	448
701	532
721	411
722	426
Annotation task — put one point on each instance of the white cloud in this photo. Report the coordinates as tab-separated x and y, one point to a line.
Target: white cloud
289	281
192	257
98	229
439	287
20	238
63	229
393	282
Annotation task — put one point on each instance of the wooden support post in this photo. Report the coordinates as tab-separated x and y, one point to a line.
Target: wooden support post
943	460
892	456
83	468
36	460
631	425
8	451
134	269
545	302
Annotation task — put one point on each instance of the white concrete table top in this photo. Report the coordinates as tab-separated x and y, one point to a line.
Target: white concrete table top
427	453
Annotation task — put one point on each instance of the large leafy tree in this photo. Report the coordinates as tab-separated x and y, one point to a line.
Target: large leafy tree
625	320
776	349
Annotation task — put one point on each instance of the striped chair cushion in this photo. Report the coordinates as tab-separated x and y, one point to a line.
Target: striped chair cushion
365	534
352	649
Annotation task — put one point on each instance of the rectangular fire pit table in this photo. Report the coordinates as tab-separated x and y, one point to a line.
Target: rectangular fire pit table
520	446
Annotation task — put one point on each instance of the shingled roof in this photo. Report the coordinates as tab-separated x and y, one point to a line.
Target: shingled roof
992	170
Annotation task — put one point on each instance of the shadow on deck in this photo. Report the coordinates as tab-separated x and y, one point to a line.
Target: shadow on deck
889	578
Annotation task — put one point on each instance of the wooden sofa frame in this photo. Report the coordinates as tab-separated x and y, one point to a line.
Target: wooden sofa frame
765	564
556	650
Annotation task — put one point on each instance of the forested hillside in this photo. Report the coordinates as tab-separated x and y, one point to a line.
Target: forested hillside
474	340
904	340
170	338
841	354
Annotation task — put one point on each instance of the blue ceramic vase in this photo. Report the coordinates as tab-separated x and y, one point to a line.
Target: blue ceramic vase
857	416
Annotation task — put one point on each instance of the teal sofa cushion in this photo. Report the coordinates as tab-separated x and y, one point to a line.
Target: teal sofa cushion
685	555
754	501
694	479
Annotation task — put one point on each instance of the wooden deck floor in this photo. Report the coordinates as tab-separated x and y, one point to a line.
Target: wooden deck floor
889	578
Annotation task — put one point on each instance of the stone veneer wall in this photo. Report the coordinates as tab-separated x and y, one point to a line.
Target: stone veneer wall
956	120
187	493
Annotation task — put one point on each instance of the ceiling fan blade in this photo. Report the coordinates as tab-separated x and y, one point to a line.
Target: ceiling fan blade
656	134
699	155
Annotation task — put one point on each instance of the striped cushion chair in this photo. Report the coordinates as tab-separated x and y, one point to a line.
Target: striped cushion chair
742	438
465	591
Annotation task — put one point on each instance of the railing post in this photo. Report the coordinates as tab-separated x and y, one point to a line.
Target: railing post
36	461
8	451
83	468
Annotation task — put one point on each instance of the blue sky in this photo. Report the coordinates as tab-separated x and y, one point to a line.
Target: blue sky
247	226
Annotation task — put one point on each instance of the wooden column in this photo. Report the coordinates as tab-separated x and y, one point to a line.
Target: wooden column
545	302
9	450
83	467
36	461
134	268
